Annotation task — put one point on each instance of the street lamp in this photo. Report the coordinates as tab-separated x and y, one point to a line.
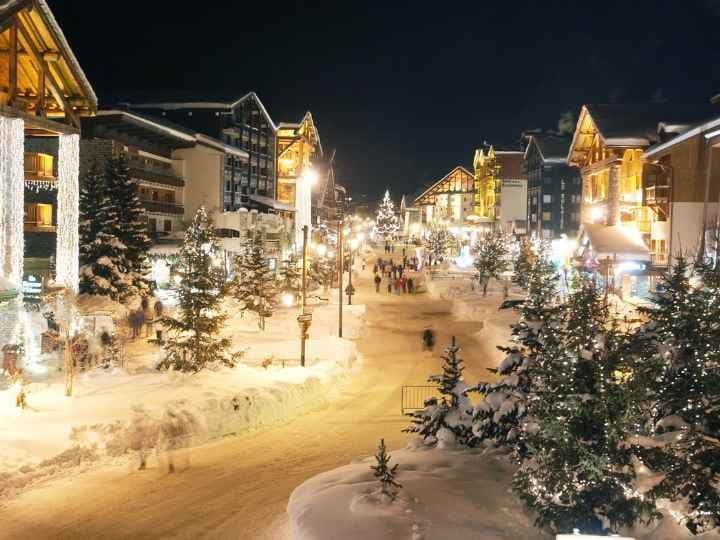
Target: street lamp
304	319
288	299
321	249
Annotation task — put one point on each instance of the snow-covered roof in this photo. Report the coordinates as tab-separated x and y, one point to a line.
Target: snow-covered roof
214	143
614	241
253	95
179	133
711	125
435	184
552	148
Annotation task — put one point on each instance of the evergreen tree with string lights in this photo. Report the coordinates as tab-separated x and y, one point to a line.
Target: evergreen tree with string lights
104	265
447	420
577	473
194	340
491	258
255	285
675	388
291	277
438	241
499	417
322	270
523	263
386	222
131	222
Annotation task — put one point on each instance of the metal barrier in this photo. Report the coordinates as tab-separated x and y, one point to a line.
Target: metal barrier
414	397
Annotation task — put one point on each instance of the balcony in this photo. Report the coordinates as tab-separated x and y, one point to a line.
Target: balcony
163	207
659	259
657	195
39	169
156	177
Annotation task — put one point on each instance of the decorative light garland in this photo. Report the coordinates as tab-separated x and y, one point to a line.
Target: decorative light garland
67	259
40	185
13	174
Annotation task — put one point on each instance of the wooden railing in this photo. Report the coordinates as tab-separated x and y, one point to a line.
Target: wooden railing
38	165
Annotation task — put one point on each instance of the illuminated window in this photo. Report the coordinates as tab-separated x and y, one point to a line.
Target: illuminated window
39	215
547	216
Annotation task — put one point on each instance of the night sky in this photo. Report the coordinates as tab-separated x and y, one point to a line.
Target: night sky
403	91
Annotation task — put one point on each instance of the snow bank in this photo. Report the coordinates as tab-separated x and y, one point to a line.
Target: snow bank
447	494
114	412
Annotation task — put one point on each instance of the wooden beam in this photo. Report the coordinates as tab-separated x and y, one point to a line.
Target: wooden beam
49	79
12	66
40	111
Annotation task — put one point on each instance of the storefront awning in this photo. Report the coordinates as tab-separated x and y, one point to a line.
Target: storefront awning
617	242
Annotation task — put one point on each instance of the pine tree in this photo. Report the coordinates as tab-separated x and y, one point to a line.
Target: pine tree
386	474
194	341
255	285
449	418
676	392
291	277
103	256
523	263
578	472
491	258
131	221
386	222
438	241
499	417
322	271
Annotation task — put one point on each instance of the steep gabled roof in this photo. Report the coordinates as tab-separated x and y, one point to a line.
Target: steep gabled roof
550	147
253	95
434	185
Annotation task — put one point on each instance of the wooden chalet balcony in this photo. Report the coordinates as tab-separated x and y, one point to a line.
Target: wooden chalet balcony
659	259
162	207
657	195
156	177
39	166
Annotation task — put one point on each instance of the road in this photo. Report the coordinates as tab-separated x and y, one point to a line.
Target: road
238	487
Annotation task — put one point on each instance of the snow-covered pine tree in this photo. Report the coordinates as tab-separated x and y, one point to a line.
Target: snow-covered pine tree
491	258
448	420
676	388
131	221
438	241
291	276
386	474
499	417
523	263
578	472
386	222
193	333
322	270
103	256
255	285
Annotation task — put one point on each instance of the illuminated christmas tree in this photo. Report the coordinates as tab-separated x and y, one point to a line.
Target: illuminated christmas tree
386	222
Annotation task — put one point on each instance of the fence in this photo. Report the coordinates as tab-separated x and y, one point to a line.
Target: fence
414	397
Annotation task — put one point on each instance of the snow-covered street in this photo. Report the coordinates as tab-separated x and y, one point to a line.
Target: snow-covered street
238	487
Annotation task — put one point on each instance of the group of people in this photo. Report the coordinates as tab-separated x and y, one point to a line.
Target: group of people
394	276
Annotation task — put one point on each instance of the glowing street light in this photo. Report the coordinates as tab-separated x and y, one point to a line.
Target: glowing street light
288	299
321	249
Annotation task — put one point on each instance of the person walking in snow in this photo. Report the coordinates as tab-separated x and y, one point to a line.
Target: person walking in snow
428	339
410	285
389	284
377	280
148	315
403	284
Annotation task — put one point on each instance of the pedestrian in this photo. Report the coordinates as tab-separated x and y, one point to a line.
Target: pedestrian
389	282
401	271
397	285
375	269
404	258
148	315
377	280
363	265
403	284
410	285
428	339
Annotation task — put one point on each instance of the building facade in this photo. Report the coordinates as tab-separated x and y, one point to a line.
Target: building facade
243	124
449	200
554	188
500	197
43	95
682	182
608	146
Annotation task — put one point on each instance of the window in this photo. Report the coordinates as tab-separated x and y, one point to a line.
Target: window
152	225
547	198
547	216
547	234
39	215
155	196
169	198
167	225
228	186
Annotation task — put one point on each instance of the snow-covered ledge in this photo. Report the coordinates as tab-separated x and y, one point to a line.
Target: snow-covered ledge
67	257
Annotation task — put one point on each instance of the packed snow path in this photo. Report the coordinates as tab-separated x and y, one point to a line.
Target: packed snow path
238	487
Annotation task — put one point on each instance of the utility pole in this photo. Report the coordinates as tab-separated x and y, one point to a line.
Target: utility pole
341	257
304	319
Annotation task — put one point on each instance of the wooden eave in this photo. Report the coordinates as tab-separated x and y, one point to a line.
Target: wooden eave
39	75
428	196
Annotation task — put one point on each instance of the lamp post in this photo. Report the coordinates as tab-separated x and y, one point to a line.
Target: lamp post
304	319
341	256
350	290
